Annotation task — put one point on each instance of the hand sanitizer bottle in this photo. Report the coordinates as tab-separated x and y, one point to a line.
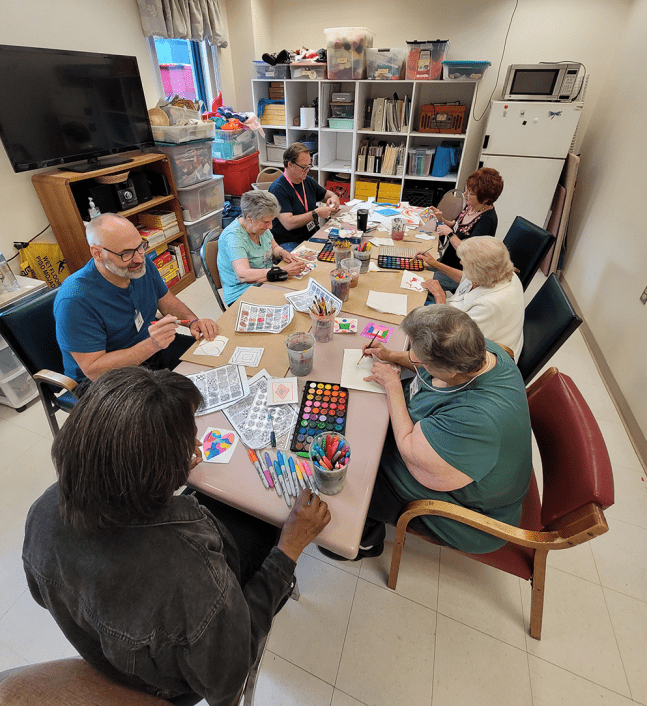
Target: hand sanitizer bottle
7	277
93	211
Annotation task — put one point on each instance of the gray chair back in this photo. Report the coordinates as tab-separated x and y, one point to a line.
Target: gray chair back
209	257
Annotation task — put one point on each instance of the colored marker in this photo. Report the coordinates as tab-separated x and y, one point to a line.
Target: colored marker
309	477
266	471
257	466
286	474
270	468
272	434
286	495
184	322
296	473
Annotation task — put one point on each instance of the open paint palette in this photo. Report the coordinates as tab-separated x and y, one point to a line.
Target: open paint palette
323	409
391	258
327	253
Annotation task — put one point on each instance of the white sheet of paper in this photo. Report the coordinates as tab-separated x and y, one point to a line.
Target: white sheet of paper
372	267
215	347
410	281
226	455
383	241
251	357
387	303
353	374
425	236
282	391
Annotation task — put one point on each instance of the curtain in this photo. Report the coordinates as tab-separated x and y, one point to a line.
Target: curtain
183	19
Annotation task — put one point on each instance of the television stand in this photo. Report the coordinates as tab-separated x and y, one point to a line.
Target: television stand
93	164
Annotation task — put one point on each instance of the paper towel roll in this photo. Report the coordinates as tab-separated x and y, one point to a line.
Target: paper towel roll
307	118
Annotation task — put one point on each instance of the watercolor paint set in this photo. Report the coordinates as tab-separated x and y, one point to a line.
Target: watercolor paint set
324	408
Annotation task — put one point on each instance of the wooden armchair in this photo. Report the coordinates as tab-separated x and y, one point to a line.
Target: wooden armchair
577	485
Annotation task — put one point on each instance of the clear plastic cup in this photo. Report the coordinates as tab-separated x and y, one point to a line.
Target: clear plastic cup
353	266
329	482
341	254
340	284
301	352
364	256
398	226
322	326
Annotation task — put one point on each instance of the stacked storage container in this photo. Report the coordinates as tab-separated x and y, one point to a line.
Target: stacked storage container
16	384
201	195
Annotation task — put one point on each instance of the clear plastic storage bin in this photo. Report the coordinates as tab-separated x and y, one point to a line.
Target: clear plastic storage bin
198	267
180	116
9	362
274	153
18	389
420	161
464	70
264	70
386	64
198	230
234	144
184	133
201	199
307	70
190	161
346	47
342	110
425	60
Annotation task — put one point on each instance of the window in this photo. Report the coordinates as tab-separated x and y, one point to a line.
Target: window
186	68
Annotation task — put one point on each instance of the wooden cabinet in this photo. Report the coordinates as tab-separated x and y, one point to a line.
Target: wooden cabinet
55	190
338	148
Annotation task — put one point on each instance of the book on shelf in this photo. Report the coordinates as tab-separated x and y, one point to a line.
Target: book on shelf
171	230
169	270
378	157
387	114
153	236
163	259
157	218
177	252
173	281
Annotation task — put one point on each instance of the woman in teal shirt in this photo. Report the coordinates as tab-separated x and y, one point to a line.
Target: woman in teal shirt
246	246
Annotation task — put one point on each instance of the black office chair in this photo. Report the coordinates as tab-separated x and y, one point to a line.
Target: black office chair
30	331
209	257
549	321
528	245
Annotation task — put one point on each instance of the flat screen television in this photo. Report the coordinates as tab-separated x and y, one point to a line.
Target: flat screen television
62	106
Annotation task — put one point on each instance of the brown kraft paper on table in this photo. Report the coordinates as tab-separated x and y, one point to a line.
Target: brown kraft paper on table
275	356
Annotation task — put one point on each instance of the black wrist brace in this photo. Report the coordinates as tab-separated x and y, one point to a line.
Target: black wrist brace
276	274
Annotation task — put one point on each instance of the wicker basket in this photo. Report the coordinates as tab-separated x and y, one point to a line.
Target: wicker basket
443	119
112	178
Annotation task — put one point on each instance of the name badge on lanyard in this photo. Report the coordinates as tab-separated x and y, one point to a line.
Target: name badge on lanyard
139	319
311	225
414	387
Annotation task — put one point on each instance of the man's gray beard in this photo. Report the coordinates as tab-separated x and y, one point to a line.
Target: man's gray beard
124	271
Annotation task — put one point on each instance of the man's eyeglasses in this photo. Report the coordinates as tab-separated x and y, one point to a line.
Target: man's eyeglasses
127	255
305	169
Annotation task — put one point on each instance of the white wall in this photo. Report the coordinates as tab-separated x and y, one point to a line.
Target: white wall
606	266
111	26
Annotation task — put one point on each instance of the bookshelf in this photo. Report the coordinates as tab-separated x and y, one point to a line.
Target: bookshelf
55	189
338	149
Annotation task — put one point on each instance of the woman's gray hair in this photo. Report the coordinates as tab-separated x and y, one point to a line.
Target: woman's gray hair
486	260
445	338
259	204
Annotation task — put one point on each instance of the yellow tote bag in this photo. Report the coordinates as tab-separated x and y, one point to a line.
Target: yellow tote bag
44	261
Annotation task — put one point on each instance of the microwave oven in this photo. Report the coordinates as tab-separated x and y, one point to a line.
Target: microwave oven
541	82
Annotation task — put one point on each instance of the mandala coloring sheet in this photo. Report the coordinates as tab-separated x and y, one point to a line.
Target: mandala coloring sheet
255	318
220	387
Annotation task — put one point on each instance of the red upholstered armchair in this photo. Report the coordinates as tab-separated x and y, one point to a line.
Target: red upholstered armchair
577	487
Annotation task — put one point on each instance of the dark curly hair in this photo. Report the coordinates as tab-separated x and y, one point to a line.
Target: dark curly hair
126	447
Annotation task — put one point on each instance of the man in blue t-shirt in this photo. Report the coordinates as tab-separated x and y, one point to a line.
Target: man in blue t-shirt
104	310
298	195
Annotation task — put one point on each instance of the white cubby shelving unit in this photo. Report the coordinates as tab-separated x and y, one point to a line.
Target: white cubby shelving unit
337	149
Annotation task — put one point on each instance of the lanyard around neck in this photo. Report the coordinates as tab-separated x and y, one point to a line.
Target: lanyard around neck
303	200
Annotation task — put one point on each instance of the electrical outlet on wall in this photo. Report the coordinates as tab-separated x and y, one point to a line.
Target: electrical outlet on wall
643	296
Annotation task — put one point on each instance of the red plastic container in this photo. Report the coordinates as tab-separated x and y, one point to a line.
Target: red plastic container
239	174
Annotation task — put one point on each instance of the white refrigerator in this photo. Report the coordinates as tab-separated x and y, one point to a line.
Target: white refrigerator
527	143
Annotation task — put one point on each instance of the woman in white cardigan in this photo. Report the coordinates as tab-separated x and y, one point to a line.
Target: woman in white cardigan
489	291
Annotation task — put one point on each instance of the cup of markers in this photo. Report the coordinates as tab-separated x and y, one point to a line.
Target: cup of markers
330	456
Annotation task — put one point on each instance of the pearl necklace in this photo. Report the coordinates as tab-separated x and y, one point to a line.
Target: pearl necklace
462	387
